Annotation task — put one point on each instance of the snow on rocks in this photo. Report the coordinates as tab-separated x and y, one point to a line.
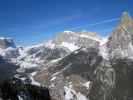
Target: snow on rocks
103	50
69	94
72	94
91	37
28	65
70	46
68	32
87	84
55	60
32	79
50	44
53	78
81	96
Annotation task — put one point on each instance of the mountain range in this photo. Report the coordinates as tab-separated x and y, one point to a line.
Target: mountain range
78	65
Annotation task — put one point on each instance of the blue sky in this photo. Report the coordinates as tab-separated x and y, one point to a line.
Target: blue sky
32	21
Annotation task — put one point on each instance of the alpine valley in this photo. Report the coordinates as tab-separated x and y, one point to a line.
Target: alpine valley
76	65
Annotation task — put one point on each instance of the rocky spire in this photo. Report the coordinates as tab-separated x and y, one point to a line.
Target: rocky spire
120	42
126	19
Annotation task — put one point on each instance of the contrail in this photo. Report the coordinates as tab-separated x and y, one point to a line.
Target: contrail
105	21
98	23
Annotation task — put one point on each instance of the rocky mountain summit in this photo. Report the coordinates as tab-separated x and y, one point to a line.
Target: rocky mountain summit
82	65
80	39
120	42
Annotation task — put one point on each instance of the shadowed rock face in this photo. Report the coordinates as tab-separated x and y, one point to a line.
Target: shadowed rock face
77	67
103	83
113	83
81	62
124	79
7	70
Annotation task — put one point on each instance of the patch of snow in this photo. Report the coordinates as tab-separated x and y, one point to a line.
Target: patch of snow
10	48
71	94
70	46
4	51
52	85
34	46
20	98
22	53
28	65
103	51
55	60
130	51
17	76
87	84
33	73
68	32
84	36
90	37
34	82
1	38
84	49
131	46
81	97
53	78
57	73
49	44
7	38
20	70
23	78
68	95
76	52
32	79
104	41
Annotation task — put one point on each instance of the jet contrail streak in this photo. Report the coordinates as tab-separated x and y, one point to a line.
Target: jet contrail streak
105	21
98	23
